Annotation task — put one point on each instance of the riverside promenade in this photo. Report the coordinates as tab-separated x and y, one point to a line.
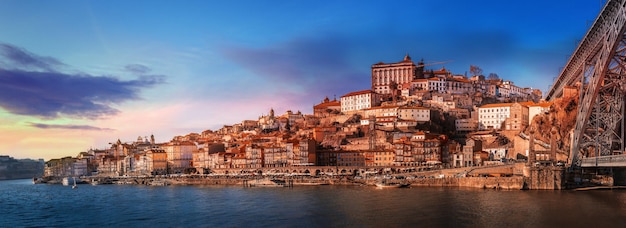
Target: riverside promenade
506	177
506	183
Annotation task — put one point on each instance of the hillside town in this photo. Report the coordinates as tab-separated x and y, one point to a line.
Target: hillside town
410	117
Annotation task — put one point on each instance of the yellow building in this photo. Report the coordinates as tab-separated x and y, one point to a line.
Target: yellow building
157	161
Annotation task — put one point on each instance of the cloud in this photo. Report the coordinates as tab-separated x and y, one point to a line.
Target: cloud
19	58
308	66
137	69
49	94
70	127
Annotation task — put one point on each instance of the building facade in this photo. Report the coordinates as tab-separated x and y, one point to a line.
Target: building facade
359	100
387	75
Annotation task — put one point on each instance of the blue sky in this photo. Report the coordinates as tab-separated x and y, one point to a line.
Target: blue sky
80	74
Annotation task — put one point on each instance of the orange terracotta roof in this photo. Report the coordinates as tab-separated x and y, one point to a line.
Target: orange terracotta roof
383	107
497	105
542	104
358	93
328	104
528	103
414	107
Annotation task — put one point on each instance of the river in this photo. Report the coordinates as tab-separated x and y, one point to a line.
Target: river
23	204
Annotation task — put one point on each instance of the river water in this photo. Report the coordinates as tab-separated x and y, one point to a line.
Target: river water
23	204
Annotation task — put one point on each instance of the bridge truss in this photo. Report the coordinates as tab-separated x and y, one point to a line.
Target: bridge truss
599	65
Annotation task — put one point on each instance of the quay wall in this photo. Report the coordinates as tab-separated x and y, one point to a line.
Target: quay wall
506	183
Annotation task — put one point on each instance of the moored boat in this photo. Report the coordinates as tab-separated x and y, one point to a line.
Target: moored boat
392	185
65	181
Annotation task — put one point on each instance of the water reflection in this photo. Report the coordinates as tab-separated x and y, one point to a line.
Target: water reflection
24	204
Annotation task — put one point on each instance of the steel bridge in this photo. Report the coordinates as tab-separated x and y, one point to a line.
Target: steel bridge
598	66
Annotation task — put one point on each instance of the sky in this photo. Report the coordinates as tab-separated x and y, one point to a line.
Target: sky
76	75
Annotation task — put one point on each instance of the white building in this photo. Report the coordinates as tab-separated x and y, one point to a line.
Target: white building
359	100
513	115
514	90
536	109
491	116
431	84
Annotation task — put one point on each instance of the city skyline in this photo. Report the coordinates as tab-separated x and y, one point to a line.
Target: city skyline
80	74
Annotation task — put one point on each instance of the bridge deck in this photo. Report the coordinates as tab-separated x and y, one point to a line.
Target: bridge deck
604	161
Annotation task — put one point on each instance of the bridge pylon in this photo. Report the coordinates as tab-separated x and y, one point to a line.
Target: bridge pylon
599	65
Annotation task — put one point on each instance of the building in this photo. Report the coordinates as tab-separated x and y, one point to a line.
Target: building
380	158
350	158
307	152
327	108
179	155
359	100
387	76
205	159
382	111
157	161
493	116
459	85
465	125
419	149
254	156
427	149
390	117
275	156
403	153
201	160
471	147
239	161
513	91
433	84
269	123
340	158
536	109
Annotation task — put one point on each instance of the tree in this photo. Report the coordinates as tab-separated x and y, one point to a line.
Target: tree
475	70
493	76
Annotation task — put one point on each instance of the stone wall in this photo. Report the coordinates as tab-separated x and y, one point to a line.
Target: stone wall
544	178
508	183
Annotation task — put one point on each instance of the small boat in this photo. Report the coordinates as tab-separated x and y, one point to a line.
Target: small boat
158	183
392	185
65	181
74	186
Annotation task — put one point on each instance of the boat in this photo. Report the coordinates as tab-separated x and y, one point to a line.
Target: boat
65	181
392	185
268	183
159	183
74	186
